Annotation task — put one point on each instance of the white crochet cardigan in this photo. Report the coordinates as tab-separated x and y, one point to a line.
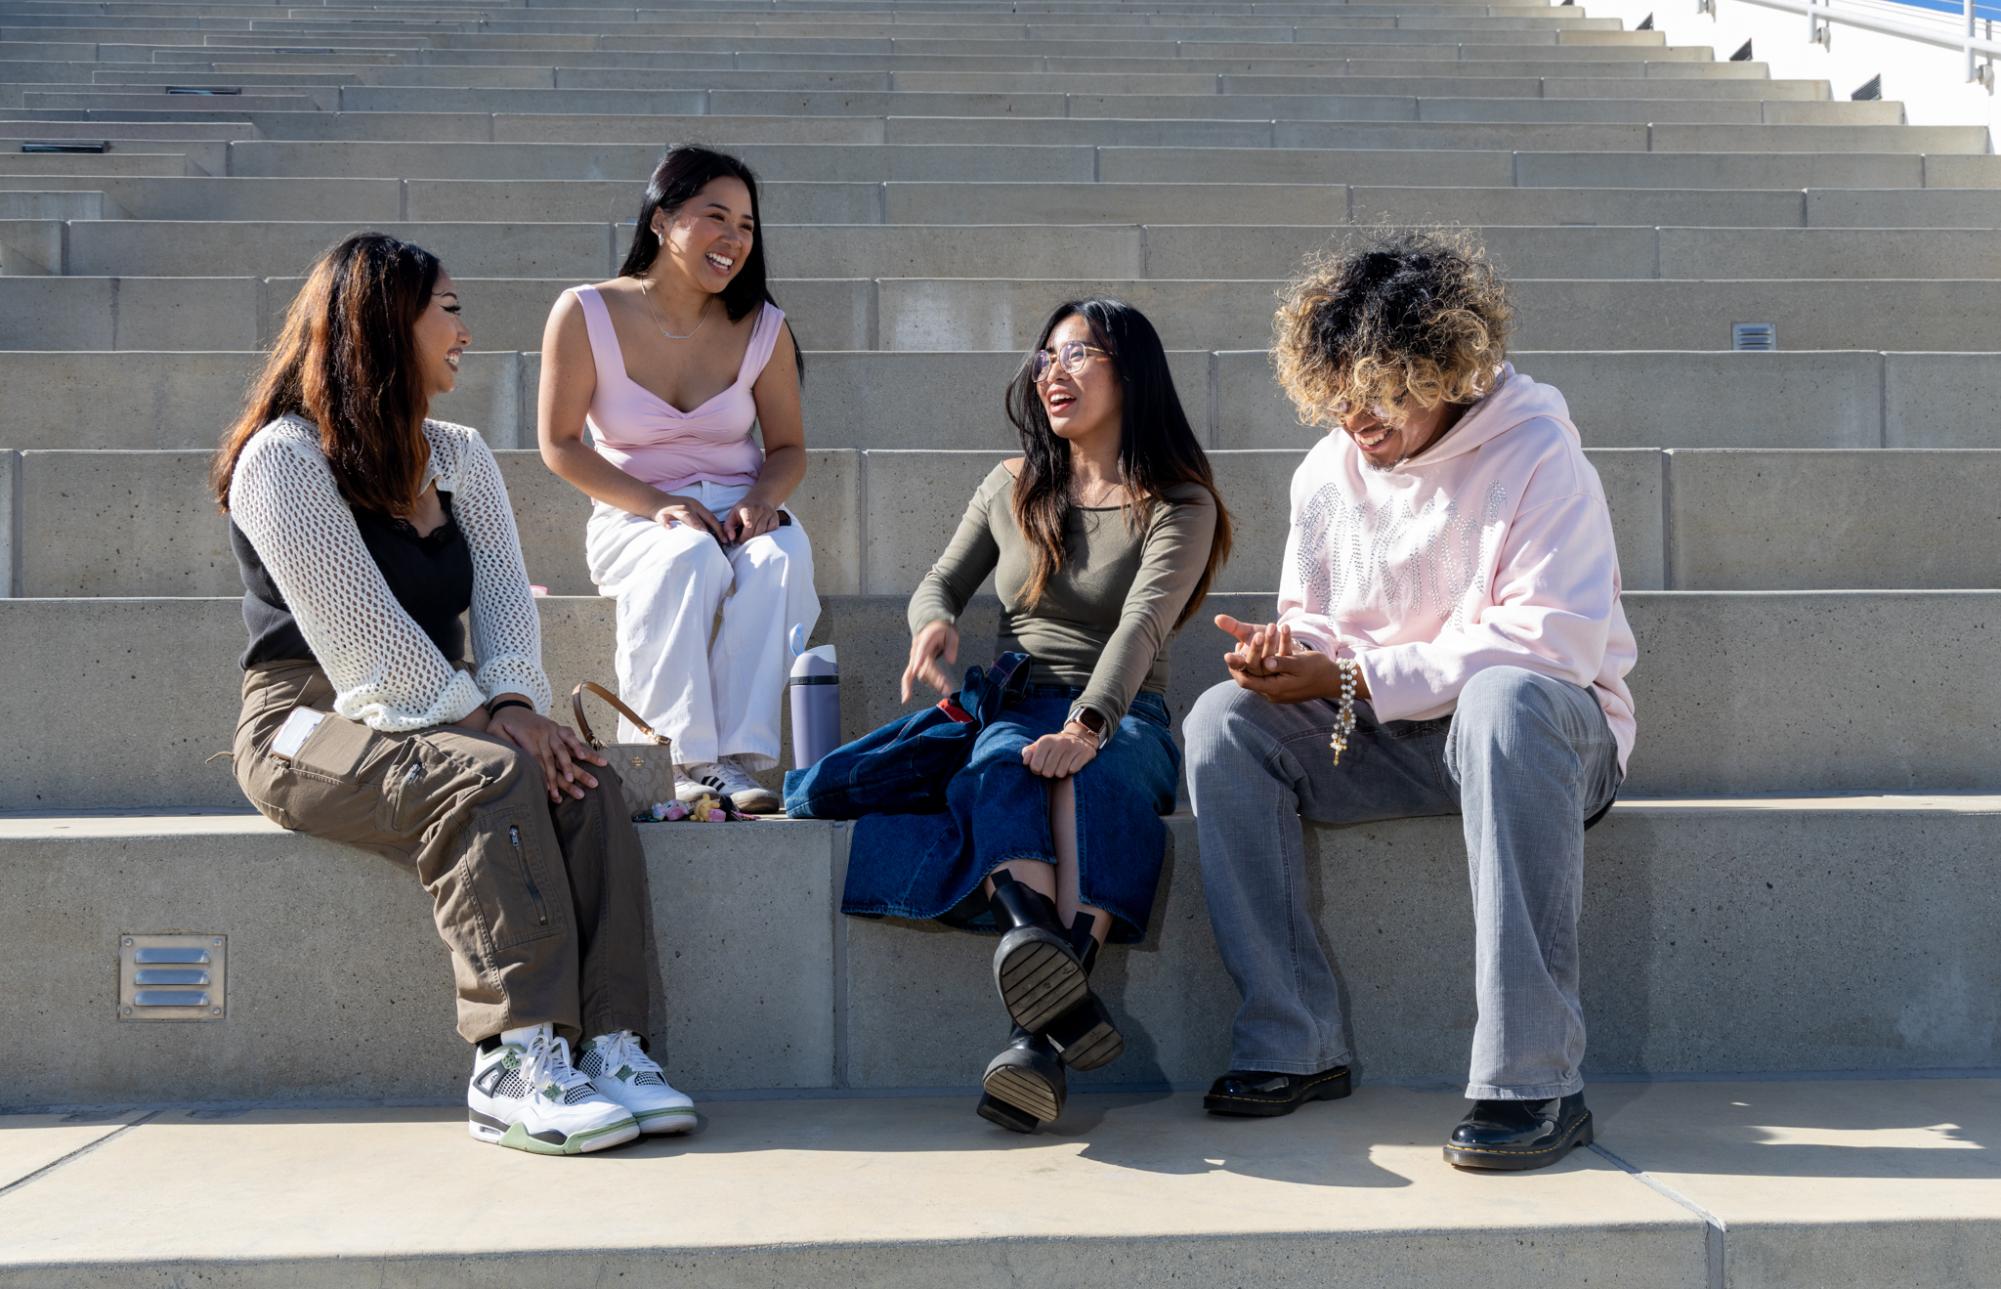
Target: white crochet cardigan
385	670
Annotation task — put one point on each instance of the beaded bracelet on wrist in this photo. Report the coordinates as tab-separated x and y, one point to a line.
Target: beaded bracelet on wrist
1344	719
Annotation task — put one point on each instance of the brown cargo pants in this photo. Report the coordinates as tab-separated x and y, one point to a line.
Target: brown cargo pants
540	904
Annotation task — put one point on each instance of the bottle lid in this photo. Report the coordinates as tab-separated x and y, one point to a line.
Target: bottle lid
816	663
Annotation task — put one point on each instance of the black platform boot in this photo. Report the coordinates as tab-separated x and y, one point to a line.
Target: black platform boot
1024	1087
1043	975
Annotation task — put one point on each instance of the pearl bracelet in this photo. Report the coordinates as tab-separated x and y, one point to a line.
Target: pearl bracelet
1344	720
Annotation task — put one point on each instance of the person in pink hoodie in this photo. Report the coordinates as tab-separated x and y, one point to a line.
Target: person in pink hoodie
1449	640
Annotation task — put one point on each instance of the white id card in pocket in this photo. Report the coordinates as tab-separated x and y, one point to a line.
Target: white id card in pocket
292	734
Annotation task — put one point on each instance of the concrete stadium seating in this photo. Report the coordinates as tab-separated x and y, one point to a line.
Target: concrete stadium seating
1796	881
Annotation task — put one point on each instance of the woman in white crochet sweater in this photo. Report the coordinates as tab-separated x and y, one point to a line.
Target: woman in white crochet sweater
364	531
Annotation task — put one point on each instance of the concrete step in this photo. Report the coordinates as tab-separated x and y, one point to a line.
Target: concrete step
1299	62
126	161
931	315
1731	687
1758	1176
1328	102
1550	314
1695	954
787	124
1587	45
94	247
200	158
98	523
883	400
993	163
153	400
178	133
1173	76
749	54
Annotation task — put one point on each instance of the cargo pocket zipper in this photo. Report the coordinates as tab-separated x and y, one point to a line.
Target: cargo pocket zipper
528	876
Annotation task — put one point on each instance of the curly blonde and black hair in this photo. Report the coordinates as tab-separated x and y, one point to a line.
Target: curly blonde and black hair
1410	316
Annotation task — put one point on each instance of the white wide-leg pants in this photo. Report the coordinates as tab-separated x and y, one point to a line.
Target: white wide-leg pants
712	687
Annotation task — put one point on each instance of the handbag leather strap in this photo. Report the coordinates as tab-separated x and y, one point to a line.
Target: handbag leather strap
584	723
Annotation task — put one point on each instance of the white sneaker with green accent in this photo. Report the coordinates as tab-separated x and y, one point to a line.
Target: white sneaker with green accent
526	1095
621	1069
726	778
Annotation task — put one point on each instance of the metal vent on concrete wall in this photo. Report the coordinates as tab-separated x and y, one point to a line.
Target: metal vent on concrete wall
171	977
205	91
1754	337
66	146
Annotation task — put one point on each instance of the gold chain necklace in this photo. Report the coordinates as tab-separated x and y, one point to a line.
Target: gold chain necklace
661	321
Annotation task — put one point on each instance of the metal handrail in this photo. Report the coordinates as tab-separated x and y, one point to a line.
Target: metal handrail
1969	42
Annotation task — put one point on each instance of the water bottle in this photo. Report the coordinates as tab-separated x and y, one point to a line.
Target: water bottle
815	688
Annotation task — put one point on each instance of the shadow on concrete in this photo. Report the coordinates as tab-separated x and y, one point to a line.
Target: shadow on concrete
1943	1129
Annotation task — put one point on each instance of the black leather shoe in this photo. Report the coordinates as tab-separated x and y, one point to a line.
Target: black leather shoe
1256	1094
1515	1136
1024	1086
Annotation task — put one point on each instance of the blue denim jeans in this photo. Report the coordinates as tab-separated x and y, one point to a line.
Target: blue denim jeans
1525	759
931	865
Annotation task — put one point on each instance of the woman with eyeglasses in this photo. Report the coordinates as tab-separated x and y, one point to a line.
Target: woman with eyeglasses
1103	538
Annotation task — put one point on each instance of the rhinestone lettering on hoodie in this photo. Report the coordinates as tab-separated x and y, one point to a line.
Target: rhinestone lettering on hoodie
1357	555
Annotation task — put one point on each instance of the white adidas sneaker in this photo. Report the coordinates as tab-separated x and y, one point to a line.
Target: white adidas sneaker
729	779
526	1095
620	1068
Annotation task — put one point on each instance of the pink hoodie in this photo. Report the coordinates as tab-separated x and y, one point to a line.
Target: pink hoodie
1491	548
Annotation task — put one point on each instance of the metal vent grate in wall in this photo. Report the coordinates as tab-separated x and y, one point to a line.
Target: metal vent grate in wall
1754	337
171	977
66	146
205	91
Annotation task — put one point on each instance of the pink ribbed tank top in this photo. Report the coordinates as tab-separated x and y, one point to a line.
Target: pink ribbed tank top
658	443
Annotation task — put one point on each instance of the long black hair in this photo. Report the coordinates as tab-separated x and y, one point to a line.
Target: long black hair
683	172
1157	446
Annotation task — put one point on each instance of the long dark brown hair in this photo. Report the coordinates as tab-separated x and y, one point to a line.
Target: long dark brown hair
683	172
346	360
1157	446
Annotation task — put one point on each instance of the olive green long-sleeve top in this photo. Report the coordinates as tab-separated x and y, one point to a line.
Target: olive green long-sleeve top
1104	621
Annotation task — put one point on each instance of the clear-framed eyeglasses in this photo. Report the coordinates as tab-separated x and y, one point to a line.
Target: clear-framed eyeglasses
1073	354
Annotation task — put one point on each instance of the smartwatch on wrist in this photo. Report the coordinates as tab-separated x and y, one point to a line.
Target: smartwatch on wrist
1091	720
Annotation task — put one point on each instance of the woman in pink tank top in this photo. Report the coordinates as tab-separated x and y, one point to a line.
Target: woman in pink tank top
669	366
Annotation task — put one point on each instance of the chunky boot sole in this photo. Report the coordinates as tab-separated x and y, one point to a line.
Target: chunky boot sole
1085	1037
1014	1119
1038	976
1519	1159
485	1127
1024	1088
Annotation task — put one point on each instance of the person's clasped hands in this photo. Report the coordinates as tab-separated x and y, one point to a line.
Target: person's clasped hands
743	521
555	747
1268	661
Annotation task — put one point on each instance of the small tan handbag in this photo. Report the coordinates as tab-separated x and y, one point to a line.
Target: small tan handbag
647	769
